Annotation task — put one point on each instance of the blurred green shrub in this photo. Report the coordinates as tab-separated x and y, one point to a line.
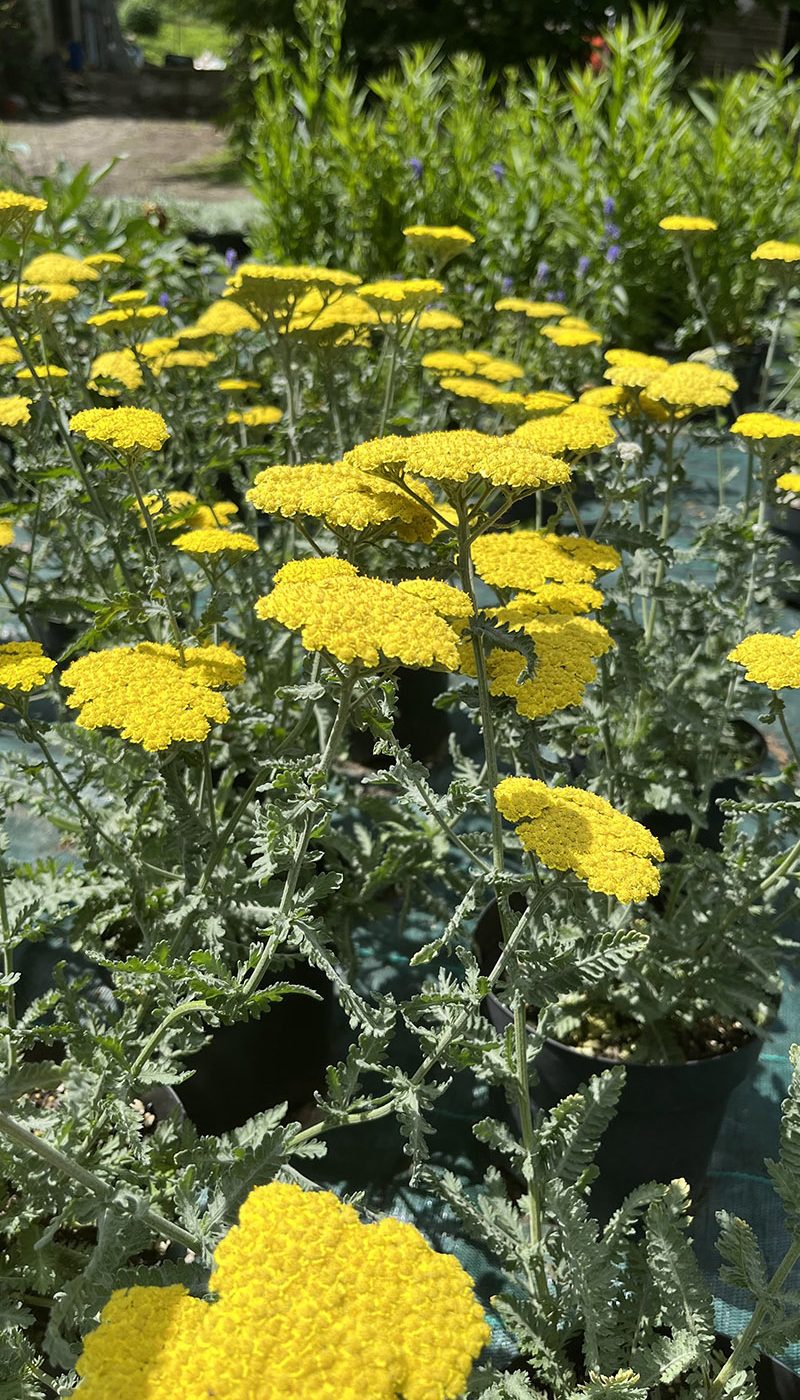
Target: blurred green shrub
582	164
140	17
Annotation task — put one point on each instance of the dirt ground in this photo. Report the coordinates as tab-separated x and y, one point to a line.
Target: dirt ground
159	153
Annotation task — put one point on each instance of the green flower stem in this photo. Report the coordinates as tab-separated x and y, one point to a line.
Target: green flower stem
263	773
325	765
444	826
184	1008
538	1280
34	734
207	786
152	536
388	394
787	734
785	866
31	1143
385	1103
325	362
484	697
663	533
749	1336
8	972
694	285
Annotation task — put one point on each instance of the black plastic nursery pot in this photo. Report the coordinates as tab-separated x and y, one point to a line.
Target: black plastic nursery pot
776	1381
244	1069
668	1117
419	725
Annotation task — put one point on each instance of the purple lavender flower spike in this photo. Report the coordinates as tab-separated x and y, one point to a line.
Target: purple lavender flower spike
613	252
507	285
584	264
609	205
416	166
542	272
499	171
611	231
163	299
231	258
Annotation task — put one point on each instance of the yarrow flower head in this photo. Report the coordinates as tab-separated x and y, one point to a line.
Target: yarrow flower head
631	369
776	251
438	242
19	212
181	509
789	481
125	318
259	416
566	647
6	534
222	318
576	429
119	366
765	426
23	665
571	337
152	695
691	385
345	498
534	310
526	559
359	619
469	362
265	289
403	294
770	659
210	539
58	267
14	411
308	1302
458	456
569	829
687	223
126	429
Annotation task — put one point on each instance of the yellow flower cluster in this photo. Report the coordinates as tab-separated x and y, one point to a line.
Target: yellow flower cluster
104	260
611	398
211	539
765	426
42	372
9	354
434	320
125	318
23	666
569	829
441	243
526	559
472	362
332	320
576	429
770	659
344	497
134	297
264	289
309	1302
546	401
566	649
43	293
18	212
691	385
150	694
182	359
410	294
188	510
126	429
776	251
359	619
260	416
6	534
52	268
237	386
534	310
121	366
631	369
789	481
687	223
14	411
223	318
459	455
571	337
481	391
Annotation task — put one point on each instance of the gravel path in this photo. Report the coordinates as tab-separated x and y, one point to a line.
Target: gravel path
154	150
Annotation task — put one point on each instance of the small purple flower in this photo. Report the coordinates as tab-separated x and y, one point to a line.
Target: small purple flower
584	264
499	171
542	272
507	285
469	288
613	252
163	299
231	258
416	166
609	205
611	231
558	296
